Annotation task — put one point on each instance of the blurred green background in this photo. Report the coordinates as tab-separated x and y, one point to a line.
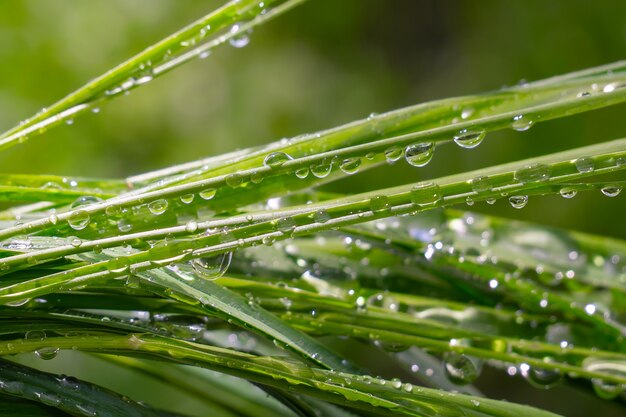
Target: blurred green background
326	63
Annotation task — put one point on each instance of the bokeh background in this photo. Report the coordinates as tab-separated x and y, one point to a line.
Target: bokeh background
325	63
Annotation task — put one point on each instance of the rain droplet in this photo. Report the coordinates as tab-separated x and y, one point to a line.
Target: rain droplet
481	184
241	38
47	353
425	193
78	219
350	165
469	139
234	180
302	173
158	207
321	216
584	164
568	192
207	194
460	368
606	390
533	173
187	198
276	159
393	154
85	201
191	226
522	123
419	154
611	190
322	170
542	378
212	267
518	201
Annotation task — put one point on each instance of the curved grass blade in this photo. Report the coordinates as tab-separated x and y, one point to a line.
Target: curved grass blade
190	42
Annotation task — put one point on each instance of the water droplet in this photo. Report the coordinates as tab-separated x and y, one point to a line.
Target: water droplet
611	190
276	159
541	378
234	180
47	353
481	184
419	154
322	170
379	203
74	241
187	198
302	173
124	225
78	219
533	173
425	193
584	164
191	226
606	390
568	192
469	139
522	123
53	219
241	38
350	165
85	201
393	154
207	194
321	216
158	207
213	266
518	201
37	335
460	369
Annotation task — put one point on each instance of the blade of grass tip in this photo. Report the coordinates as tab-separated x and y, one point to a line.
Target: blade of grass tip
212	296
67	394
176	49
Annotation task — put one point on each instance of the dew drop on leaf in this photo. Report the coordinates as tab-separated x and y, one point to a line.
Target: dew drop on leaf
47	353
276	159
481	184
460	368
611	190
518	201
522	123
322	170
350	165
207	194
78	219
568	192
469	139
158	207
584	164
393	154
419	154
532	173
425	193
213	266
